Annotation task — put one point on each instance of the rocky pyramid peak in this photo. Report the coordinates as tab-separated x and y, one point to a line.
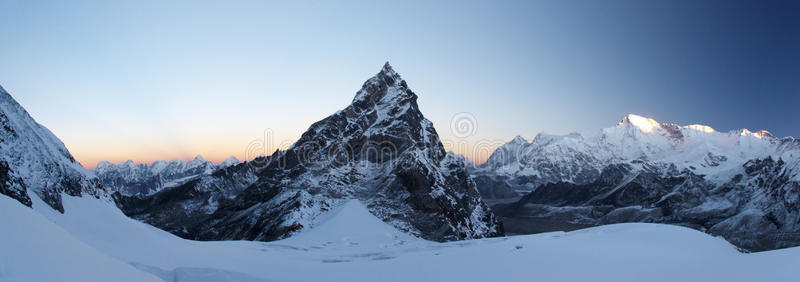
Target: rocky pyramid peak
384	111
380	150
388	70
386	87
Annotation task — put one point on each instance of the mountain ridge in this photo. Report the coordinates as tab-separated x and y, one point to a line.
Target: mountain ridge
738	184
136	179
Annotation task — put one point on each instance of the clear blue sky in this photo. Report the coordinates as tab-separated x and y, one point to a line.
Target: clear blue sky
149	80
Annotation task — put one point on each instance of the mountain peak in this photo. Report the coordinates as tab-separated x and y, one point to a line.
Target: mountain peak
103	164
760	134
389	75
700	127
380	150
519	140
643	123
199	158
385	87
387	68
230	161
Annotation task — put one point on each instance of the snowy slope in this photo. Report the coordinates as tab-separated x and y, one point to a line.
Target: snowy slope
33	160
35	249
351	225
352	245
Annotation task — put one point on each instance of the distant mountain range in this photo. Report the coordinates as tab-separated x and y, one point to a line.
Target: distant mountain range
141	180
740	184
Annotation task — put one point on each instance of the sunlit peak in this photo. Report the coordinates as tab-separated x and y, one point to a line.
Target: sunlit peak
746	132
700	127
759	134
644	124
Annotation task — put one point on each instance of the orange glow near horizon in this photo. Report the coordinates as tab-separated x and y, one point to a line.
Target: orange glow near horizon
477	152
91	160
88	155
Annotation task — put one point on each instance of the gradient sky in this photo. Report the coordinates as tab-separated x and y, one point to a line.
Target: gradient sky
147	80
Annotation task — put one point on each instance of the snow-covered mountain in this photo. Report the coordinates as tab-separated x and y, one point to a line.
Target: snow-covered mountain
32	159
740	184
380	150
519	166
575	159
179	208
132	179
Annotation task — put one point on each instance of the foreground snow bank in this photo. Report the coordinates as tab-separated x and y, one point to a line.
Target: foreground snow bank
34	249
353	245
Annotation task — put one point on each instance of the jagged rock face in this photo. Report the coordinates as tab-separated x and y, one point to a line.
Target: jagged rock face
141	180
381	150
32	159
739	185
